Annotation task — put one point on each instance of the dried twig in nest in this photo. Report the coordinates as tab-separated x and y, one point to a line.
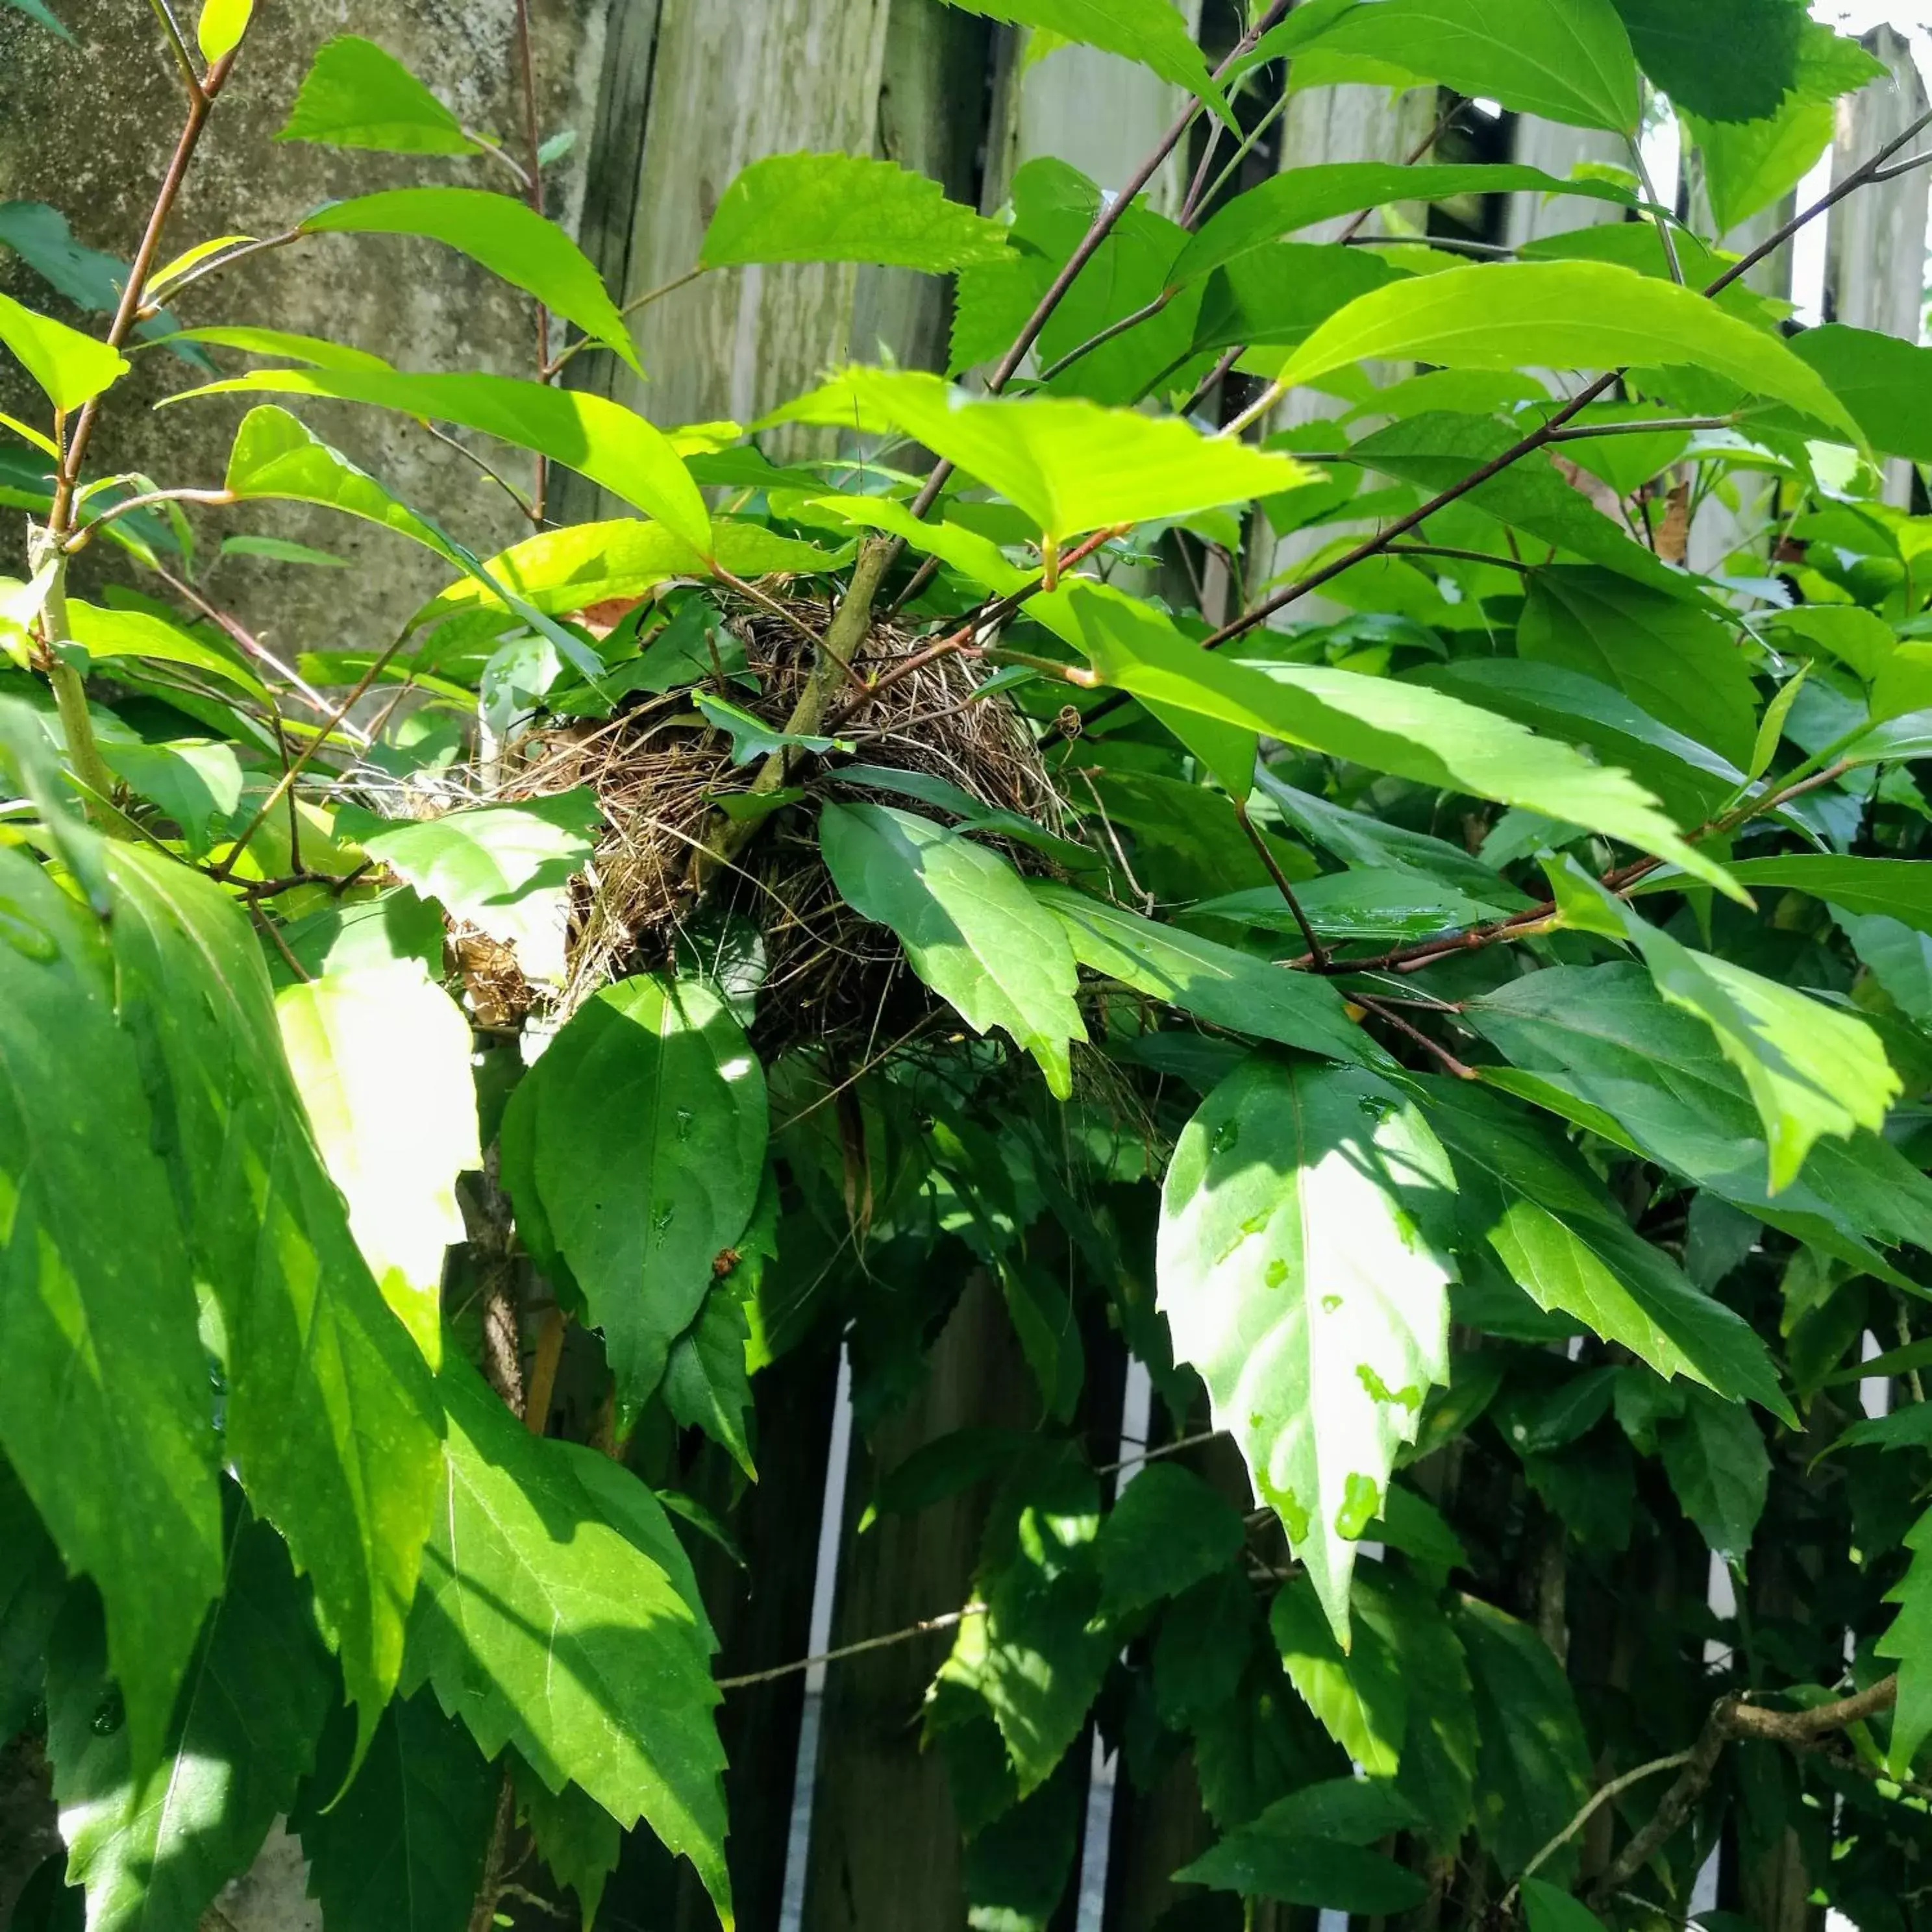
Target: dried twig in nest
659	772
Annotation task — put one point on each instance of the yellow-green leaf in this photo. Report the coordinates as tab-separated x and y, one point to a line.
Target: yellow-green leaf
71	368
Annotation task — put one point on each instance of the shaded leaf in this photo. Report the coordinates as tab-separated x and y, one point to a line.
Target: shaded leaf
1716	1462
558	1614
402	1849
154	1847
635	1148
1167	1532
1214	983
105	1411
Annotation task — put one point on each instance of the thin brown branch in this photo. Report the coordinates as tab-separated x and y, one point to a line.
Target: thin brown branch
1265	853
1414	1033
1730	1719
950	1621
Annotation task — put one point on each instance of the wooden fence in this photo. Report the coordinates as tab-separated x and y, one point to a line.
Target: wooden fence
855	1832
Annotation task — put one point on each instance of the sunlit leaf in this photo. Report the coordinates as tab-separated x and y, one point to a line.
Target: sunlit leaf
71	368
356	95
1298	1278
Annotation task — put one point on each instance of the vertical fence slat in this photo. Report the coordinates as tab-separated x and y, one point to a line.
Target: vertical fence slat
1875	257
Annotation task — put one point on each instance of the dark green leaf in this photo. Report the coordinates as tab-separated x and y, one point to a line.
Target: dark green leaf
402	1849
1264	1860
1168	1531
1716	1462
1214	983
330	1418
641	1137
1151	32
1550	1910
1678	664
105	1409
1910	1641
573	1835
705	1384
1534	1771
752	739
558	1614
33	1585
1728	60
154	1848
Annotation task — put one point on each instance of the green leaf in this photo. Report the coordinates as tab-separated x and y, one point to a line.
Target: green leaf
1569	1246
1360	1695
1401	728
573	1835
612	445
1214	983
1565	60
1437	450
1881	380
330	1411
558	1614
641	1144
1593	1042
752	739
1747	169
1300	197
1727	60
108	633
402	1849
37	9
1035	1658
972	555
1899	888
562	570
1771	726
1150	31
1680	664
222	24
705	1383
1375	903
381	1057
845	208
280	550
355	95
1899	958
275	457
1070	466
1278	296
1534	1772
33	1588
970	929
105	1410
71	368
1909	1642
1166	1532
1717	1464
505	868
1592	315
1264	1860
1549	1910
316	350
1812	1069
507	236
154	1847
928	788
1297	1278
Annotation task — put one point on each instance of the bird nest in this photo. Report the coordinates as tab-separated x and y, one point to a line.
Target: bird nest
656	898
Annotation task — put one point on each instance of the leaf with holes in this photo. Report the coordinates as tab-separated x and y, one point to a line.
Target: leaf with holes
1300	1274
